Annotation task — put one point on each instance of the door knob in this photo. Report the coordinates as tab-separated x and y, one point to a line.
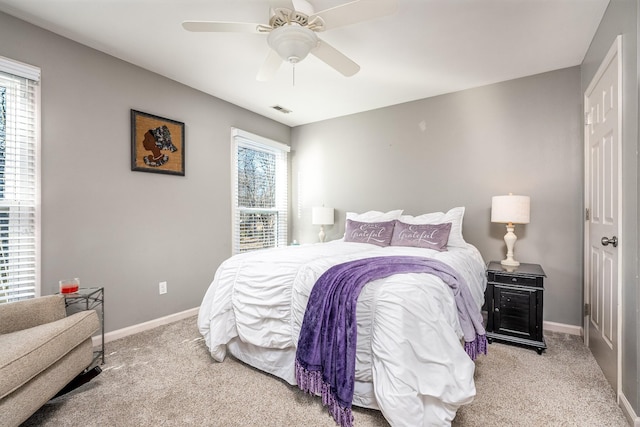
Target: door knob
614	241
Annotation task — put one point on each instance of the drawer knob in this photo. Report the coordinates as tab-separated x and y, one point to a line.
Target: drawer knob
497	310
514	279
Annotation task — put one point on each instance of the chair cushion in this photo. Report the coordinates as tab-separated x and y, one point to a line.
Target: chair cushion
23	314
27	399
26	353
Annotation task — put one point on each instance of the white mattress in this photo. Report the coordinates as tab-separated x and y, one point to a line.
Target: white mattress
410	363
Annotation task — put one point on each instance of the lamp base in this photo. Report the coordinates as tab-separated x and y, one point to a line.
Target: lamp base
510	262
321	235
510	240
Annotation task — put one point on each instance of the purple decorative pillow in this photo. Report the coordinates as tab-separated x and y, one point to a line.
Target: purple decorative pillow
376	233
430	236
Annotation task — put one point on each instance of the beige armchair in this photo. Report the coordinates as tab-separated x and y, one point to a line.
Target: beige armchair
41	351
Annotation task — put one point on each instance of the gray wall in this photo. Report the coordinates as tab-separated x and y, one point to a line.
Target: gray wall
110	226
621	17
129	230
521	136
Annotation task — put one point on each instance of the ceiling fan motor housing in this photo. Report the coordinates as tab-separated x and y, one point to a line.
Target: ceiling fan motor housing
292	42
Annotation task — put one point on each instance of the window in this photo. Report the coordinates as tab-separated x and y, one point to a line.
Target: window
259	188
19	180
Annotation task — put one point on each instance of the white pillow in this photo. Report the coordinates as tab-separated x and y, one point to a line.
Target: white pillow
454	216
374	216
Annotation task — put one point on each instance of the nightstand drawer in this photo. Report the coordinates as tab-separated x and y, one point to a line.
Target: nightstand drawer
516	280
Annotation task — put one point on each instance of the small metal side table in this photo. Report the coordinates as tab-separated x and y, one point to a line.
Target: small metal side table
89	299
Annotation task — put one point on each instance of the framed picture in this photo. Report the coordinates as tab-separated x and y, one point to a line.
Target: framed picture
157	144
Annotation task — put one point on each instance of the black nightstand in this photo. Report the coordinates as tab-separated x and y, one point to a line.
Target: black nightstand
513	301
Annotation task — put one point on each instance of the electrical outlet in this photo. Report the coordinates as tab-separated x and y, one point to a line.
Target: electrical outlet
162	287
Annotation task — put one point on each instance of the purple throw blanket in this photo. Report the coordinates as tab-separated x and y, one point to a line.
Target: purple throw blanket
326	353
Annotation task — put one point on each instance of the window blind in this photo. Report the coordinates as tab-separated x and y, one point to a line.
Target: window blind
259	192
19	176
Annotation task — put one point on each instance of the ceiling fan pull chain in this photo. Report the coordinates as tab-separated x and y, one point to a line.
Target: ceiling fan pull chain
294	75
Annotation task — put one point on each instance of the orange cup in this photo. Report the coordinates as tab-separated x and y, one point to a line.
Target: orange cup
69	286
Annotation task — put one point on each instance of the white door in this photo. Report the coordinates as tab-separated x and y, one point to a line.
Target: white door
603	240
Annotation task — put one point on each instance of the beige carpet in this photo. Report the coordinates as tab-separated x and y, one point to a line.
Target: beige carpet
165	377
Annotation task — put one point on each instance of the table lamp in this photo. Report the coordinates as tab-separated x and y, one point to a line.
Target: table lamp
510	210
322	216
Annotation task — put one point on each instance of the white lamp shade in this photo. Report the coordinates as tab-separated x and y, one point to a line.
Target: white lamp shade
506	209
322	216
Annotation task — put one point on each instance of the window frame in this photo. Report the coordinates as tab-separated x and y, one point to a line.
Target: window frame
30	76
241	138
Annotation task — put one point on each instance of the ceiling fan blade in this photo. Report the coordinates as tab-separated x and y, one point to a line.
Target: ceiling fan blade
356	11
269	67
335	59
220	27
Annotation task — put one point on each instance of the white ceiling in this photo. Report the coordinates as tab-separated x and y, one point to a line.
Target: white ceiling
427	48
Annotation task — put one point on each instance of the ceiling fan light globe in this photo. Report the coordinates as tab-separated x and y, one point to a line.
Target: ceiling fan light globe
292	42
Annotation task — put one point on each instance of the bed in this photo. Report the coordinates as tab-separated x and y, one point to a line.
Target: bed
410	361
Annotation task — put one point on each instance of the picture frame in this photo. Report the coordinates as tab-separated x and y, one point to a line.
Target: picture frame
157	144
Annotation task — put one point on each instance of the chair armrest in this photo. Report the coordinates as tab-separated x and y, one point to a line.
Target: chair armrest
19	315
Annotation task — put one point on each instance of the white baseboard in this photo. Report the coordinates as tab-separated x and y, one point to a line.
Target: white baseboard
141	327
628	411
563	328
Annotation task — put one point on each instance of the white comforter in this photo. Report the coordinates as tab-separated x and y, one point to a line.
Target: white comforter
410	363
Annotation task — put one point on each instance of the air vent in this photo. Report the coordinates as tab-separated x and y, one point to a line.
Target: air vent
281	109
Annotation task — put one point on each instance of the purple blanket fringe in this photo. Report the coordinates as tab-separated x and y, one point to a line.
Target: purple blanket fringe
312	383
476	347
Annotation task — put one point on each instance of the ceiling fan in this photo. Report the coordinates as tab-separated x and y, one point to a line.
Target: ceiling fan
291	32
